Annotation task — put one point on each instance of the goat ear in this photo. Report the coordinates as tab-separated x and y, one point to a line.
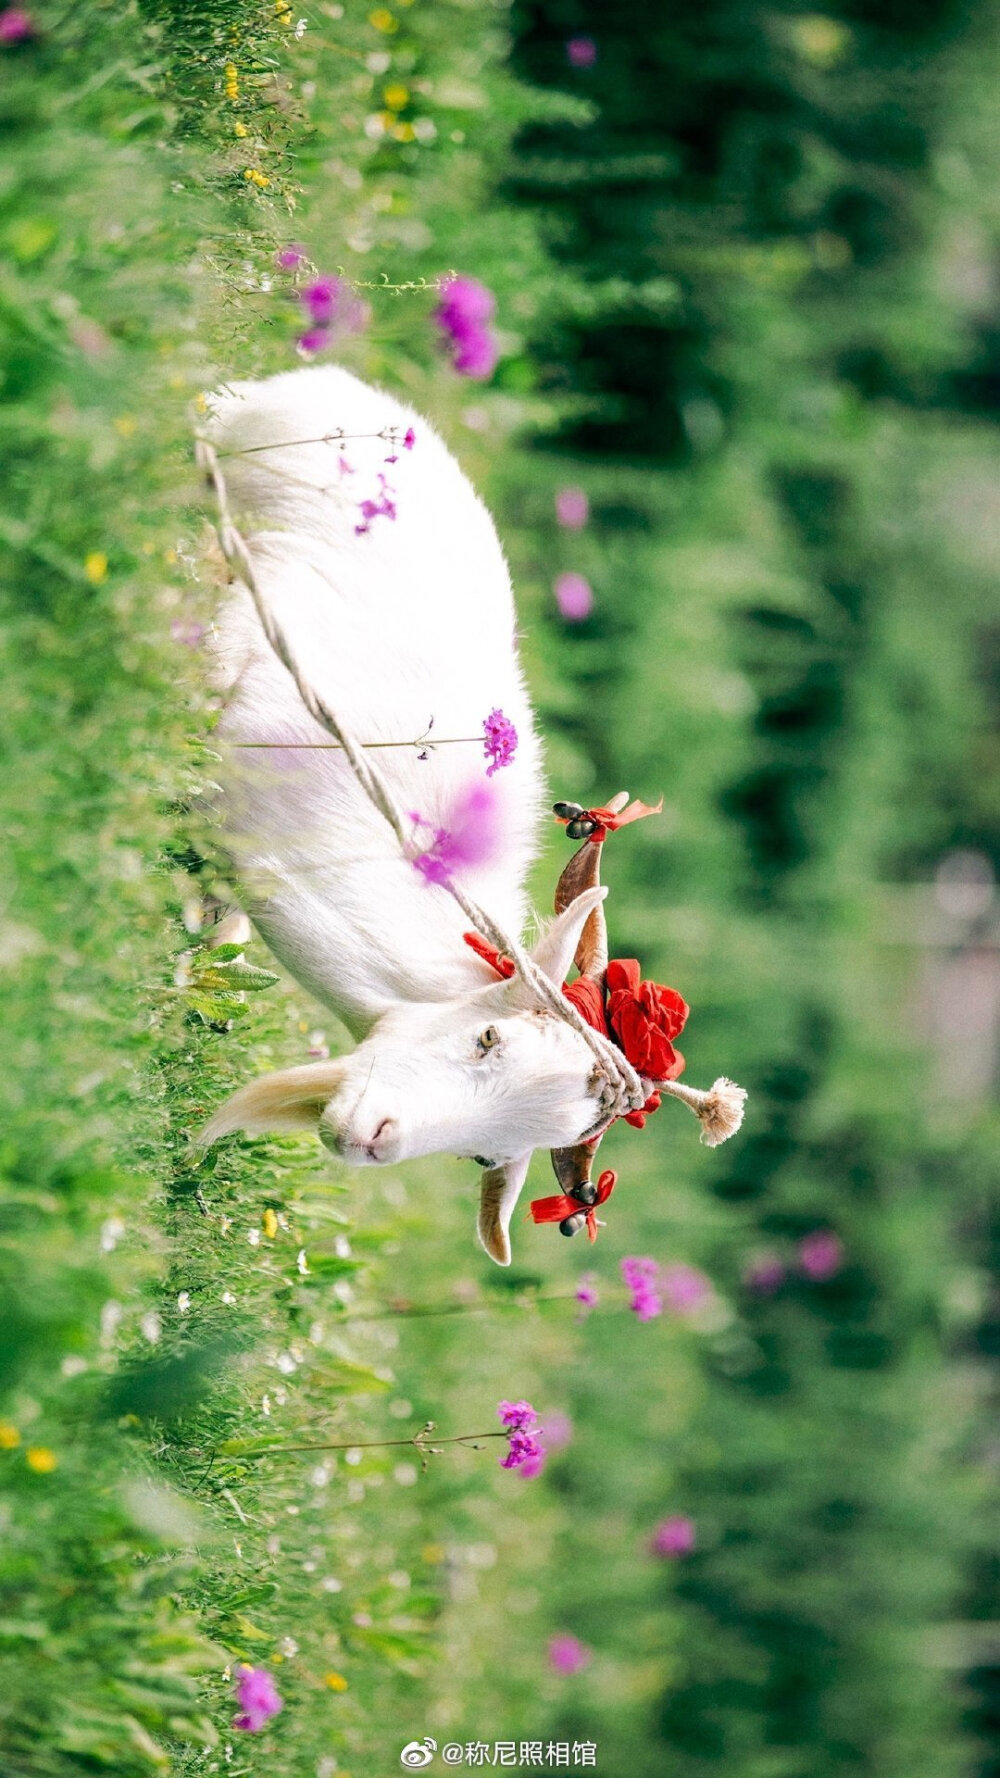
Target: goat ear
556	948
293	1099
500	1191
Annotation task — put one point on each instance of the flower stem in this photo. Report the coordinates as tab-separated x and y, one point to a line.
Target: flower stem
420	1441
335	746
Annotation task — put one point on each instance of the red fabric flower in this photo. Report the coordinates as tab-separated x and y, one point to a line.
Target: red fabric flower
645	1016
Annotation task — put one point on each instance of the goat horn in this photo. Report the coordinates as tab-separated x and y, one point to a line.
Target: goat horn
573	1166
584	872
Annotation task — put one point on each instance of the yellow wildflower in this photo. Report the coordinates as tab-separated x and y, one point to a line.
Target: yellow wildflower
95	566
41	1459
253	177
239	129
335	1681
10	1438
396	96
383	20
270	1223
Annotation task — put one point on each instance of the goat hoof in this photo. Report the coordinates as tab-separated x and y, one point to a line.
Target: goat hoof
571	1225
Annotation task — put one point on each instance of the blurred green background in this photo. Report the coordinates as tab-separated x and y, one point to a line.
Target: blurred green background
746	269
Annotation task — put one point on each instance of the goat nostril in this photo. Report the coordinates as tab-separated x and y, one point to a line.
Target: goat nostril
388	1123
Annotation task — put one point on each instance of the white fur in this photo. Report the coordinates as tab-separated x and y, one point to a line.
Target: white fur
410	621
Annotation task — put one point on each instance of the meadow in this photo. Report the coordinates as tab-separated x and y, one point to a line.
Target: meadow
744	274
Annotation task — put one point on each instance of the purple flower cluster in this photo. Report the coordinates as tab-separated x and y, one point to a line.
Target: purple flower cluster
586	1293
581	52
470	839
258	1699
572	508
568	1655
291	257
408	440
821	1255
187	630
685	1290
524	1450
574	596
329	306
464	314
673	1537
16	25
642	1275
500	744
384	507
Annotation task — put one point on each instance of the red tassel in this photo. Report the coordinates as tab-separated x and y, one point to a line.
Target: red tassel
489	954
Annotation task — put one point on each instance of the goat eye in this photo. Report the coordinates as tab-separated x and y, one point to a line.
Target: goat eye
488	1039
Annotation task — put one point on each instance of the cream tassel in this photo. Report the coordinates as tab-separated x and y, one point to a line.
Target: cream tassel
719	1111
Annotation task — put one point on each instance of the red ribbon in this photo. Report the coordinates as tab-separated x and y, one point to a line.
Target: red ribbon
557	1209
607	821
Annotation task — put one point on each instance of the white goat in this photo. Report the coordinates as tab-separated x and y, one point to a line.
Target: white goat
397	615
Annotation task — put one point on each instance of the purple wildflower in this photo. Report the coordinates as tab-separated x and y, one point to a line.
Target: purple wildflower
517	1416
574	597
470	839
321	300
187	630
568	1655
581	52
331	309
288	258
558	1430
642	1277
673	1537
409	439
463	314
382	508
572	508
685	1290
524	1451
258	1699
821	1254
764	1273
500	744
586	1292
16	25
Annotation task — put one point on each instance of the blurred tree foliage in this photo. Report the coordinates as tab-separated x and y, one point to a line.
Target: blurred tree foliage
786	214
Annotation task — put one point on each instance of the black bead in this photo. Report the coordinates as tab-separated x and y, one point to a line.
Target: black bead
585	1192
567	810
580	829
571	1225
